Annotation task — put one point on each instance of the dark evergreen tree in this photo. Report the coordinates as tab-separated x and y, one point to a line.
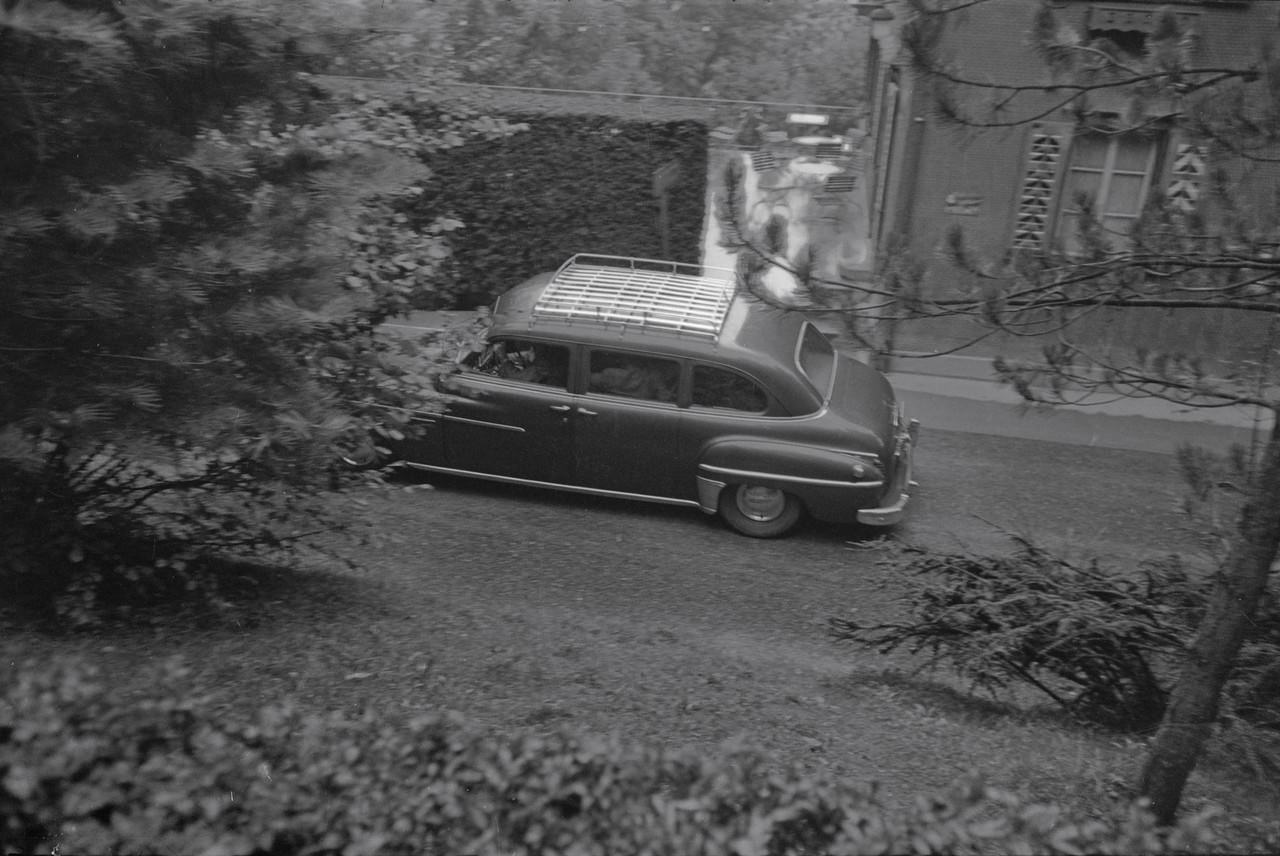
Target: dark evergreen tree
195	246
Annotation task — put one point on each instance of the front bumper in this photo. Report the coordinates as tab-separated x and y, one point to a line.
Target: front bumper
899	493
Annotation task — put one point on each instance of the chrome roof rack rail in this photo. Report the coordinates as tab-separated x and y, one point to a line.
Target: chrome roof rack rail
643	293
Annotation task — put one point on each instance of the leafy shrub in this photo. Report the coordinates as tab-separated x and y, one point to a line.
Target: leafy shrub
83	770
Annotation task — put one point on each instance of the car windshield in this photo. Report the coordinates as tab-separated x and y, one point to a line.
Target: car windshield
817	359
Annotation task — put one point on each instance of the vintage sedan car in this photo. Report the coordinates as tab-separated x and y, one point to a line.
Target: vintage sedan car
655	381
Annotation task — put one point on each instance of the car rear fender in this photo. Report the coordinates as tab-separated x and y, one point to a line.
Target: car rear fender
811	473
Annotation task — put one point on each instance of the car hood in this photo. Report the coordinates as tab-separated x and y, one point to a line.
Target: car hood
863	396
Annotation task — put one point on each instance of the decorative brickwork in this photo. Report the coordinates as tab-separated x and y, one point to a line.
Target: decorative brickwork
1035	200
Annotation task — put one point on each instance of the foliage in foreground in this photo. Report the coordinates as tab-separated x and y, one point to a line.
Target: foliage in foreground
1099	643
192	269
83	770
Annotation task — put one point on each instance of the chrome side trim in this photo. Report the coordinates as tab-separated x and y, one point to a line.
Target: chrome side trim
500	426
757	476
572	488
709	494
913	431
424	415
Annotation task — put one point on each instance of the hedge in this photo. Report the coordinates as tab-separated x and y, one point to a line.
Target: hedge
84	769
567	184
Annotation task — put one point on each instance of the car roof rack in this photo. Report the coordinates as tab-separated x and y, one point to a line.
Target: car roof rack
644	293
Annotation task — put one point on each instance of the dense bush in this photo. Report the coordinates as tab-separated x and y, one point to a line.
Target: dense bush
566	184
85	770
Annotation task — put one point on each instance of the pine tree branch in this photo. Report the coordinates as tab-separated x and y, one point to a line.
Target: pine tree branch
962	346
1129	382
1116	301
1232	145
1077	89
1036	296
925	9
219	359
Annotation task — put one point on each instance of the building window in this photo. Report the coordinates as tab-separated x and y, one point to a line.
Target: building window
1128	28
1111	173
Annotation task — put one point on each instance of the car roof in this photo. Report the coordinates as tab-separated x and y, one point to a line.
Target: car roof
659	307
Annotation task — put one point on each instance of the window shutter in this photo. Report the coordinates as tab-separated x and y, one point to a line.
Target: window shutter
1046	152
1186	173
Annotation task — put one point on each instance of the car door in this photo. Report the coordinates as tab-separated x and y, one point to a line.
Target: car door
723	402
626	425
512	413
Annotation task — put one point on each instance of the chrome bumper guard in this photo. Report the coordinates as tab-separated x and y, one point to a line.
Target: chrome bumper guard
887	515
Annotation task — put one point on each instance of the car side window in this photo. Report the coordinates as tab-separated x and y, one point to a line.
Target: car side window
634	376
518	359
717	387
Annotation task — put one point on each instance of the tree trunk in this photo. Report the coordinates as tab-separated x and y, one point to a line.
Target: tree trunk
1237	588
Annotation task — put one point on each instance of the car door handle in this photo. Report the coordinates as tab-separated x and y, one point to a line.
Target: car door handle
561	408
585	412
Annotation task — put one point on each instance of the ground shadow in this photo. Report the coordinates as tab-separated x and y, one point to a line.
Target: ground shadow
944	698
217	593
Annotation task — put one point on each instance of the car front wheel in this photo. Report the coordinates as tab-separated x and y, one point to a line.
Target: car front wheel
759	511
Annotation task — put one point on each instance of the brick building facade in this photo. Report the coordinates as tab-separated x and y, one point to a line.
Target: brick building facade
1014	188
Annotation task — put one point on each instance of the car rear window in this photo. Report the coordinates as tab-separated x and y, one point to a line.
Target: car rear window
817	359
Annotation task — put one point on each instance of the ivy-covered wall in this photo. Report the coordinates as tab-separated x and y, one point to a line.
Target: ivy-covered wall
568	184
